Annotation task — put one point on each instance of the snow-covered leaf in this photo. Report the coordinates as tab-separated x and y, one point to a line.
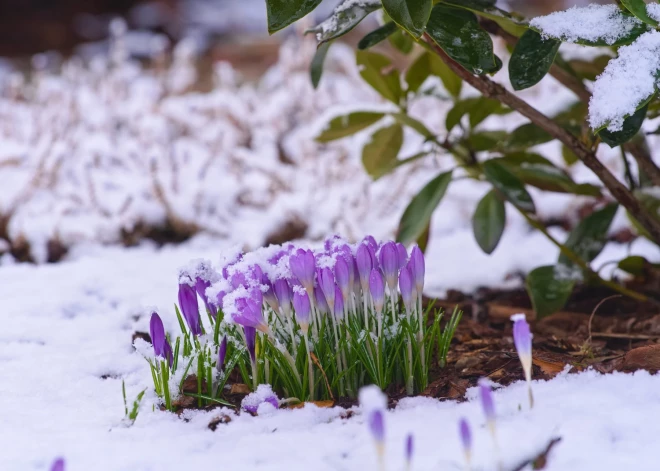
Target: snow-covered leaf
378	35
548	289
316	67
509	185
488	221
531	59
631	126
429	64
346	16
417	215
638	8
348	124
458	33
594	25
589	237
627	84
380	154
378	72
281	13
411	15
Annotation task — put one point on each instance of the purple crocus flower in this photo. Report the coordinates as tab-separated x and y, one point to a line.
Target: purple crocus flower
168	354
419	268
263	394
302	307
389	262
189	306
377	289
377	426
157	332
327	284
466	438
283	294
58	465
251	342
402	254
339	303
303	266
222	354
487	403
321	302
269	294
410	448
343	276
371	242
237	280
406	287
250	311
522	338
200	286
364	265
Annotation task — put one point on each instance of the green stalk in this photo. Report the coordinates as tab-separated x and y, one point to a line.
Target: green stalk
165	371
310	369
409	381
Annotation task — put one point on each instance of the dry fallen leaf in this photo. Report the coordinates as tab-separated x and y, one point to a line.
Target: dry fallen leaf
239	388
324	404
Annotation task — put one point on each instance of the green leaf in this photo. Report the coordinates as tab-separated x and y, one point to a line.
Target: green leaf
348	124
478	109
631	126
484	140
378	72
634	264
411	15
524	137
568	155
548	291
511	23
488	221
378	35
316	69
651	203
638	8
509	185
380	153
281	13
429	64
458	33
417	215
345	17
538	171
402	41
411	122
531	59
589	237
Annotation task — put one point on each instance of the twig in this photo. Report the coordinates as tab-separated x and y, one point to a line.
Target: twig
593	313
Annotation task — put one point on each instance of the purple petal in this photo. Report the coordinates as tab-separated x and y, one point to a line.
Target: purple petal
327	284
364	264
377	425
377	289
487	403
157	332
189	307
222	353
406	286
465	434
302	306
522	337
58	465
419	268
250	341
402	254
339	303
389	262
409	447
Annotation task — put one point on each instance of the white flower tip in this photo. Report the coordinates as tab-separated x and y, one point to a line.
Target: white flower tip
372	398
518	317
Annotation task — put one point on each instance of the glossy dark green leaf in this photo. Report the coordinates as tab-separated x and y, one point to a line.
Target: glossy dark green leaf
429	64
413	123
458	33
345	17
378	35
511	23
348	124
638	8
538	171
524	137
377	71
631	126
281	13
589	237
488	221
411	15
316	68
508	184
548	290
531	59
417	215
634	264
380	154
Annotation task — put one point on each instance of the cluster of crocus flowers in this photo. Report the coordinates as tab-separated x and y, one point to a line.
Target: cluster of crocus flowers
522	339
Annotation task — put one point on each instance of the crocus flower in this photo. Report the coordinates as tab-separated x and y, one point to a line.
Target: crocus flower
377	426
303	266
250	311
58	465
302	307
522	338
222	353
269	293
371	242
237	280
263	395
488	406
321	302
339	303
283	293
189	306
419	268
389	261
406	287
402	254
364	265
466	440
343	276
410	448
167	353
327	284
251	342
157	332
373	403
200	286
377	290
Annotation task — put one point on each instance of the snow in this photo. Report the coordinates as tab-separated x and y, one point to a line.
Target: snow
593	23
628	81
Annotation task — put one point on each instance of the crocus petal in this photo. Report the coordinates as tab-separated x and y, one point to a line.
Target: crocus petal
321	302
410	444
302	307
364	265
250	341
339	303
376	425
264	393
168	354
402	254
222	353
389	262
406	287
419	268
487	403
465	435
327	284
342	275
189	307
283	293
58	465
157	332
377	289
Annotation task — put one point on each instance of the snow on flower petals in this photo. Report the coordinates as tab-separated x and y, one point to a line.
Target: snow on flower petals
593	23
626	83
256	402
